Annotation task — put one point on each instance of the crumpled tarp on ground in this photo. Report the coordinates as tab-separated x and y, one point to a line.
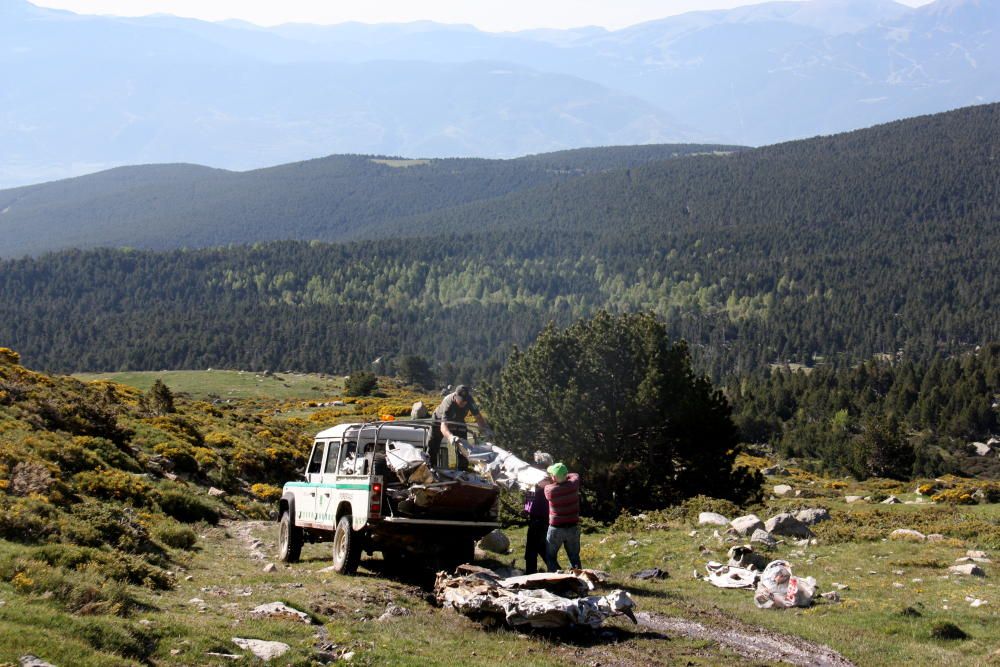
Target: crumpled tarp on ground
530	600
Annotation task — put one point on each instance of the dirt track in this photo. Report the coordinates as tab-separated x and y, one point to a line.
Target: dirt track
748	641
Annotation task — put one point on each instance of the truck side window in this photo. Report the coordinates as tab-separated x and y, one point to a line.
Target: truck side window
316	462
331	459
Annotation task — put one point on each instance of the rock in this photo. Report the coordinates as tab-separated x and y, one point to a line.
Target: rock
786	524
976	602
763	537
907	535
892	500
496	542
282	611
812	516
392	611
782	490
973	553
419	411
262	649
216	493
712	519
853	499
270	567
746	525
774	470
33	661
970	559
970	569
935	537
831	596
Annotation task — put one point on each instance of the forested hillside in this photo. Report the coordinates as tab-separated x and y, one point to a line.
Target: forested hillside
335	198
833	249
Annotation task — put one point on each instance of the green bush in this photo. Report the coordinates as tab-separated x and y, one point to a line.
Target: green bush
361	383
97	524
186	507
175	536
27	520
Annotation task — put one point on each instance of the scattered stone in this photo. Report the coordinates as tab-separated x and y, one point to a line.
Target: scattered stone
196	601
763	537
840	587
189	577
270	567
786	524
392	611
216	493
33	661
973	553
281	610
853	499
419	411
495	542
633	542
969	559
712	519
171	476
812	516
976	602
831	596
782	490
347	657
651	573
896	584
935	537
774	470
892	500
262	649
746	525
907	535
227	656
970	569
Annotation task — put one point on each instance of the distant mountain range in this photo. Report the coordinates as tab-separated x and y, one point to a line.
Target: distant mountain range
337	198
840	248
81	93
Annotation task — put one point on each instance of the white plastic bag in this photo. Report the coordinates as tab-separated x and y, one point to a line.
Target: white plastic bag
780	589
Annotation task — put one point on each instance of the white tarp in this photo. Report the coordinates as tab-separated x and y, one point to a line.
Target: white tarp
779	588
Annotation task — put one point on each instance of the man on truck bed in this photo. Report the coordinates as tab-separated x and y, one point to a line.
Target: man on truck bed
449	422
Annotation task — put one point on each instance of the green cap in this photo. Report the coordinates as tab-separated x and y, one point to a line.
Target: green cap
558	471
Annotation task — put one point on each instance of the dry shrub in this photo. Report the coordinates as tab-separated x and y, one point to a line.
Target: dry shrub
30	478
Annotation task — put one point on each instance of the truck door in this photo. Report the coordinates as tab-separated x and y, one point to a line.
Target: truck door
326	494
305	504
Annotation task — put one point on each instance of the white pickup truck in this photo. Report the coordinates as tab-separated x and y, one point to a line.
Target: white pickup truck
351	496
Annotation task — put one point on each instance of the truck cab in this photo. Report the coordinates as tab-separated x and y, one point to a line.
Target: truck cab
351	496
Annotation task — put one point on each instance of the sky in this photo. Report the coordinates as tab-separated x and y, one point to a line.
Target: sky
491	15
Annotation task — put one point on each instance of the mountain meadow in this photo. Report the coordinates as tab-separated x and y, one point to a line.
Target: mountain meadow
821	314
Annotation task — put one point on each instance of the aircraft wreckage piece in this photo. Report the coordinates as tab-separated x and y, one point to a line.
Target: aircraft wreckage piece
526	600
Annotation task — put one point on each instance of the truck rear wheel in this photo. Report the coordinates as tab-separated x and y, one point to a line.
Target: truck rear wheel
346	547
290	539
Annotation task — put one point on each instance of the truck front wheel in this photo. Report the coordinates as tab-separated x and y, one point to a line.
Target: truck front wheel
346	547
289	539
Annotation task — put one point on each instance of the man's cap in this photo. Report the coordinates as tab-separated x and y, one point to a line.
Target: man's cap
558	470
464	392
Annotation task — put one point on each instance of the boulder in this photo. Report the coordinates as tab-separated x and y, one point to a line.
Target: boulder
763	537
419	411
782	490
907	535
281	611
935	537
712	519
786	524
270	567
853	499
215	493
496	542
892	500
746	525
33	661
974	553
970	569
262	649
813	515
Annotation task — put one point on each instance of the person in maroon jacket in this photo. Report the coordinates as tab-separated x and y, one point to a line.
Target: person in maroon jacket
564	516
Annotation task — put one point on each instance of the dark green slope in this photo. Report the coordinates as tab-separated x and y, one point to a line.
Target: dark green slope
334	198
836	248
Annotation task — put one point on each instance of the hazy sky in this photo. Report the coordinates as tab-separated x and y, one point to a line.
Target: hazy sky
494	15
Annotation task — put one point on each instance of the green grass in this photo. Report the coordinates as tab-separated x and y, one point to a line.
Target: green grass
230	384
